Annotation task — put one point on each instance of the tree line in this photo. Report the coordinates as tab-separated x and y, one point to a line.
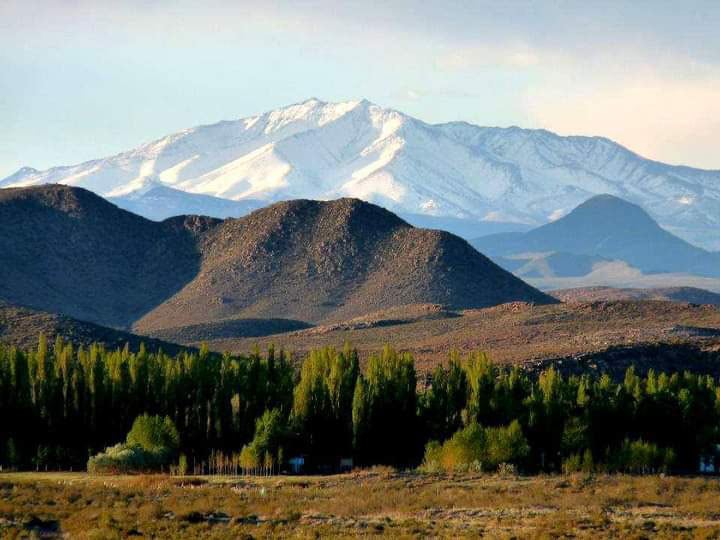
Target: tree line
61	405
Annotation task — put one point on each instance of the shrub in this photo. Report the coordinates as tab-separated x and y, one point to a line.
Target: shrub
640	457
577	462
150	445
153	433
572	464
119	459
475	448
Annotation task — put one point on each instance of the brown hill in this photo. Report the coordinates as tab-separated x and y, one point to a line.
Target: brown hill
66	250
327	261
691	295
69	251
21	327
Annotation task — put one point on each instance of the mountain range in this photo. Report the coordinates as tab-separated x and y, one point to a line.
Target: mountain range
602	229
509	178
73	252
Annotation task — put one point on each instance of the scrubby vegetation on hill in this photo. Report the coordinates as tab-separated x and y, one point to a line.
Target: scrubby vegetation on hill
308	261
59	405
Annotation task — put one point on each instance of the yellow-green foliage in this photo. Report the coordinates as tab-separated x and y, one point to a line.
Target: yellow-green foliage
150	445
478	448
642	457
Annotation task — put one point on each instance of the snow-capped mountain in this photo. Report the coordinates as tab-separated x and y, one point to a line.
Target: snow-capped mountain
324	150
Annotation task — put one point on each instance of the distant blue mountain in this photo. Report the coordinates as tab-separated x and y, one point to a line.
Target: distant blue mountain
609	227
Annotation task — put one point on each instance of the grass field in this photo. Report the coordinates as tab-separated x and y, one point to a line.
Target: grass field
363	504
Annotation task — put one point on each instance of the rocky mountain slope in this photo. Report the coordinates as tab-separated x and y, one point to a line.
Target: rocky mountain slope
323	261
69	251
358	149
21	327
66	250
609	227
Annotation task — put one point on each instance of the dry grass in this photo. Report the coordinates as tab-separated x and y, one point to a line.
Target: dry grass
362	504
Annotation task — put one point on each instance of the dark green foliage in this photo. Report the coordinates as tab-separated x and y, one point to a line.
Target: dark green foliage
384	409
59	405
322	406
74	402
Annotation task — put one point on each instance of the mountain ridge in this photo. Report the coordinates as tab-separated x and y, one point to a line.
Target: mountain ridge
320	150
303	260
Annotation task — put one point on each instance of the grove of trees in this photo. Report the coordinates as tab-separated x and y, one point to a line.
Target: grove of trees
61	405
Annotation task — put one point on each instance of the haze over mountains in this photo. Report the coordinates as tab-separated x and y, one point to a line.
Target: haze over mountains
456	170
602	229
73	252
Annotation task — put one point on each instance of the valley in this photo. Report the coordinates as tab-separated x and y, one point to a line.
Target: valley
470	290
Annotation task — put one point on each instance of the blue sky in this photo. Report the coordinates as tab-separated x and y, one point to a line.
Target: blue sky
82	79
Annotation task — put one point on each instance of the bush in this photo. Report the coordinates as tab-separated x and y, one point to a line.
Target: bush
640	457
576	463
150	445
477	448
119	459
153	433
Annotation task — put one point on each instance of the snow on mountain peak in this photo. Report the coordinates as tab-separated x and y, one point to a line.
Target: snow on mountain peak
322	150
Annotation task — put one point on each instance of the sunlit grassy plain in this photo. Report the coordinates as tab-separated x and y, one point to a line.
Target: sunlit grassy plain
361	504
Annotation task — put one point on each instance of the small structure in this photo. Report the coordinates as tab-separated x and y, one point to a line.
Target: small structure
346	465
297	464
710	463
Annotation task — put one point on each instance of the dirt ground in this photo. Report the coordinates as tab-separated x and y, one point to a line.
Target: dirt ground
374	503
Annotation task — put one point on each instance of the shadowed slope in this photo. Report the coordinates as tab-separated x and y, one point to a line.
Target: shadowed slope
69	251
21	327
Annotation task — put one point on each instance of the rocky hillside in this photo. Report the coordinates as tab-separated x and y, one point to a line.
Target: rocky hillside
69	251
691	295
66	250
21	327
323	261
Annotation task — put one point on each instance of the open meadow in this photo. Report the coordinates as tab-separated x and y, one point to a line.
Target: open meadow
371	503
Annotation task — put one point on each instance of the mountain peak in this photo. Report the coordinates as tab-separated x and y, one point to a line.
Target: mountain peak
609	227
325	150
606	199
609	211
18	175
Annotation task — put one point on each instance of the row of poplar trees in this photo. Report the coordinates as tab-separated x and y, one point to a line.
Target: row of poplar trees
61	404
